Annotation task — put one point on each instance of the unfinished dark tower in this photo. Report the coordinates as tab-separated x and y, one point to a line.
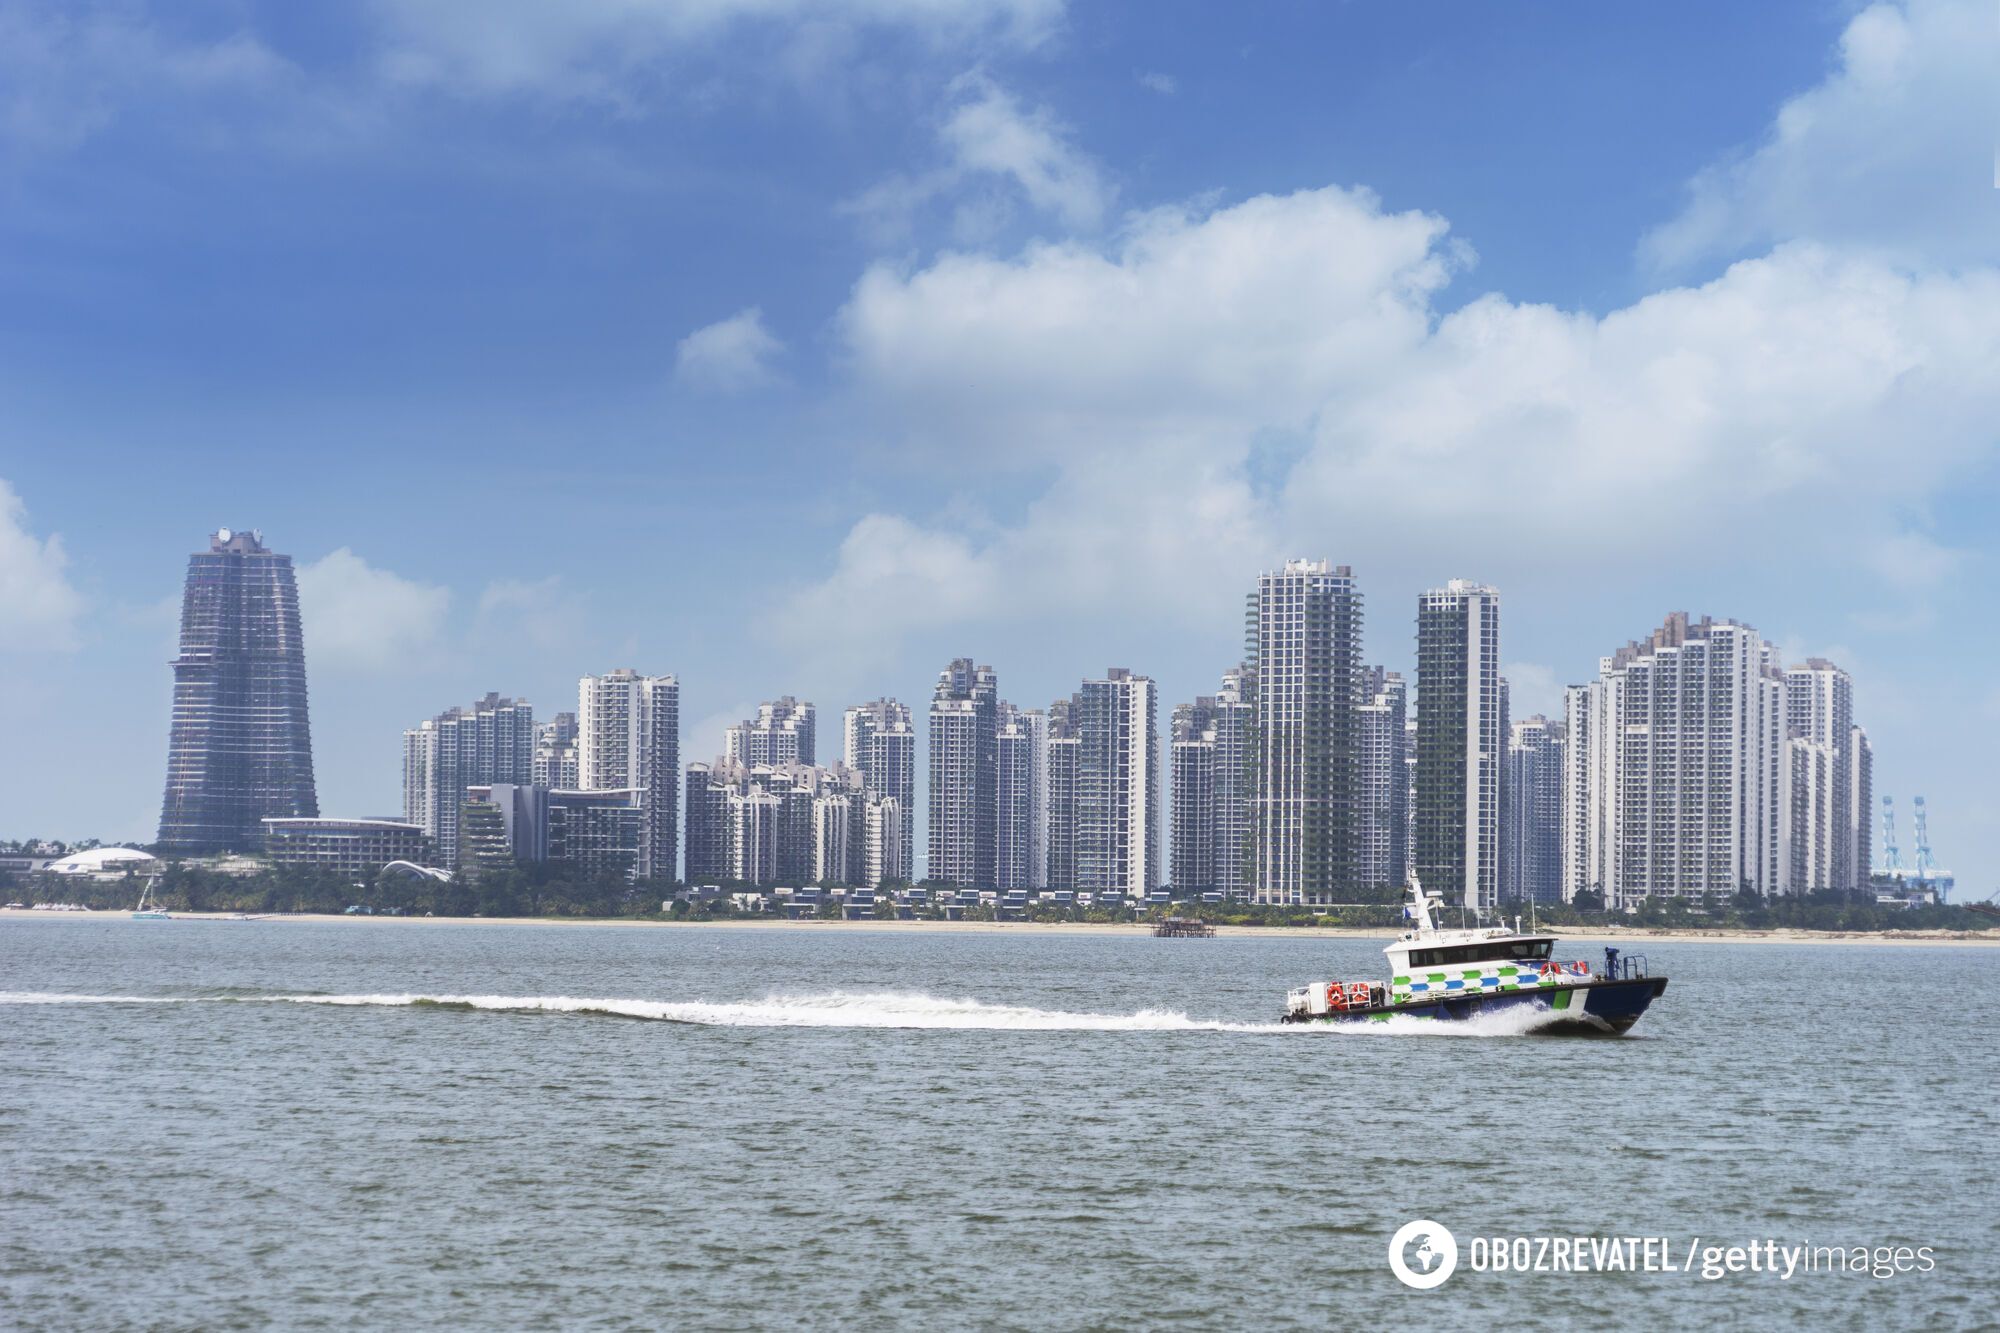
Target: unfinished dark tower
241	746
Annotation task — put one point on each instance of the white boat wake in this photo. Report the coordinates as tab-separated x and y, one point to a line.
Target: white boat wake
837	1009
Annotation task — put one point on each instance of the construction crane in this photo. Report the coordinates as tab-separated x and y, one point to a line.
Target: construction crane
1924	864
1925	868
1890	860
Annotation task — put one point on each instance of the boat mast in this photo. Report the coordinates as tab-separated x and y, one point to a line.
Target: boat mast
1420	905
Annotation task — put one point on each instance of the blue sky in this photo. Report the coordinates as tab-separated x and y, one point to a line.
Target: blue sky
798	348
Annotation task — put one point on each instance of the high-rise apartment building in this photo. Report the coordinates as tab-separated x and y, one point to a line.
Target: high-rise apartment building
1819	725
555	753
493	741
1461	743
1675	768
1060	768
1409	788
629	738
1191	740
1383	785
838	829
781	733
964	775
1234	726
1020	856
790	824
1586	802
240	747
1304	640
591	833
1210	741
1861	804
1116	837
882	745
1533	819
885	842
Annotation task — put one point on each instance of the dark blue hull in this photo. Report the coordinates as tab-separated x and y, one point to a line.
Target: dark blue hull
1588	1008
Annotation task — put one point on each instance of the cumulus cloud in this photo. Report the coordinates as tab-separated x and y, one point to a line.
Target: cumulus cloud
1714	422
358	618
1163	84
997	151
1243	316
615	50
39	608
991	132
1163	532
730	355
1890	153
1680	416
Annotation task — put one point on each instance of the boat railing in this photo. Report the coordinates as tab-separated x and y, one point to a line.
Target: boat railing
1620	966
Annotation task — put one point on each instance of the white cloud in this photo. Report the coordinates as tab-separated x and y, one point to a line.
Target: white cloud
1681	417
535	611
1911	559
992	133
615	51
998	151
1162	532
1708	425
730	355
1163	84
1242	317
1890	153
39	608
702	738
68	70
358	618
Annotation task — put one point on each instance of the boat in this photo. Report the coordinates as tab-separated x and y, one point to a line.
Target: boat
142	912
1454	975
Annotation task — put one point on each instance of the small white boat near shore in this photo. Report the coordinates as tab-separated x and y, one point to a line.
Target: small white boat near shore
144	912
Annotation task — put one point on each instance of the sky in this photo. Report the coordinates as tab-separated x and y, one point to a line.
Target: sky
799	348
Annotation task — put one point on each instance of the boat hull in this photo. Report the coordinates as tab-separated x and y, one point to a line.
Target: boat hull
1588	1008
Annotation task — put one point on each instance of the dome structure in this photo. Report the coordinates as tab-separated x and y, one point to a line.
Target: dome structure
105	861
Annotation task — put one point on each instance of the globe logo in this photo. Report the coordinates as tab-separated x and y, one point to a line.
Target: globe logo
1422	1254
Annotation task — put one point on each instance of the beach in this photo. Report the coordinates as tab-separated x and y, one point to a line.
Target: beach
1595	934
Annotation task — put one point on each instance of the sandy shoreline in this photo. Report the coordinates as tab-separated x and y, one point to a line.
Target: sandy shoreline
1988	938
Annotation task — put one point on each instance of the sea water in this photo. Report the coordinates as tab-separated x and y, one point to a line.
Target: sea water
289	1124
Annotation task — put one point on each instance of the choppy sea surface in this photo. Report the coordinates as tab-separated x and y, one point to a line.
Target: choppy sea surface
291	1125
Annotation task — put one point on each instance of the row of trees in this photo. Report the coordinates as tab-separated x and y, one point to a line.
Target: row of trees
535	890
548	889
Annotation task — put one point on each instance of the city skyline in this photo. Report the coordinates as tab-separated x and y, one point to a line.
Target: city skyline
1698	762
1638	377
596	595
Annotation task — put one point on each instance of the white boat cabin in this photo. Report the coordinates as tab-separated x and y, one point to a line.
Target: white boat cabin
1426	962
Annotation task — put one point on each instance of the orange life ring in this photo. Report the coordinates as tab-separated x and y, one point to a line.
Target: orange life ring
1335	997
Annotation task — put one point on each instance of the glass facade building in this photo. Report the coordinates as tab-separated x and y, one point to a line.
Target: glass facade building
240	748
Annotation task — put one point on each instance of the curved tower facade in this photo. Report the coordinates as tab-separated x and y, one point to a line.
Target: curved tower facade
241	745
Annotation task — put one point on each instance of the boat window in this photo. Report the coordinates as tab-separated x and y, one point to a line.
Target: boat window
1493	951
